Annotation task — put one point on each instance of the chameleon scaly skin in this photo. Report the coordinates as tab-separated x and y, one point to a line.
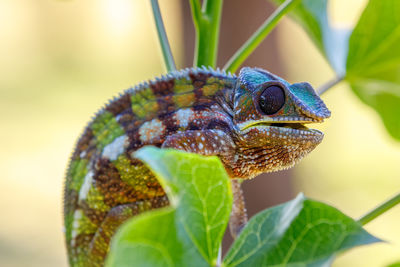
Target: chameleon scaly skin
253	123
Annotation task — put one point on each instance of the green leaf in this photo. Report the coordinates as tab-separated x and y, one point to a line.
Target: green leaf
396	264
301	232
201	199
151	239
312	15
373	63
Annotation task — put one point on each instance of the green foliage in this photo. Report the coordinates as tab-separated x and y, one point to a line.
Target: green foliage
301	232
373	63
199	192
190	231
151	239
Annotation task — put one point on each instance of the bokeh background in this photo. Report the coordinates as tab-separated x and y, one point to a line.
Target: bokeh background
61	60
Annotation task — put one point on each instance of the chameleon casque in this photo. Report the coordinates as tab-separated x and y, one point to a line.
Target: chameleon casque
253	122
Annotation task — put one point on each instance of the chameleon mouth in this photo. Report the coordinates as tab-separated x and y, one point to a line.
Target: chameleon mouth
295	128
285	126
298	126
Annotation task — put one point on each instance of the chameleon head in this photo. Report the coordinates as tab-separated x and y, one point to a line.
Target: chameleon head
270	115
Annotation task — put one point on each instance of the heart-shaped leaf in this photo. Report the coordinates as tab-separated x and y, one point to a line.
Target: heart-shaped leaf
301	232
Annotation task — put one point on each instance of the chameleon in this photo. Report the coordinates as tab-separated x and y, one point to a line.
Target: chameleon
254	122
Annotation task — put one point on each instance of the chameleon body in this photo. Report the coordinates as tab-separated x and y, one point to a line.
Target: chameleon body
253	122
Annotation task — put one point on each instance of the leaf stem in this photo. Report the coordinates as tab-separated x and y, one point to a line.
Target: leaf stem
251	44
207	23
162	36
380	209
325	87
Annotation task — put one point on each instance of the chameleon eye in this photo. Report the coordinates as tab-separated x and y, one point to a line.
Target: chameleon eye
272	99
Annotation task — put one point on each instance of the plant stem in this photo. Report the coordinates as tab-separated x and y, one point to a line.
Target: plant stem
380	209
329	84
162	36
248	47
219	258
207	22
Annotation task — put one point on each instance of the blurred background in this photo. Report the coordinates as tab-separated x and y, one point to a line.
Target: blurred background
60	61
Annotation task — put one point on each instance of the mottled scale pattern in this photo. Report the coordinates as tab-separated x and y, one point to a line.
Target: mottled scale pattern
103	174
203	111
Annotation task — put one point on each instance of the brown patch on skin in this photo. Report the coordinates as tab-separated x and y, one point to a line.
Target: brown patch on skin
70	201
127	120
199	79
170	124
163	88
219	125
122	103
134	141
202	106
83	143
166	105
193	126
198	94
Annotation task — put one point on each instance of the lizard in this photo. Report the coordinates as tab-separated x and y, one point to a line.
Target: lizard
254	122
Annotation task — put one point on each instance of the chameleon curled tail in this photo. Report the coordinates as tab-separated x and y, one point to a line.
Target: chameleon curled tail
253	122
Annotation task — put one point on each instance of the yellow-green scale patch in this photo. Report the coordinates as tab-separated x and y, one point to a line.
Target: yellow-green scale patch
77	172
213	85
183	93
138	177
79	258
183	85
68	219
95	200
85	225
144	103
106	128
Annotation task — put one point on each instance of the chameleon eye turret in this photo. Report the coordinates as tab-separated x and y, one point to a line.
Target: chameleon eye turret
272	99
253	123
